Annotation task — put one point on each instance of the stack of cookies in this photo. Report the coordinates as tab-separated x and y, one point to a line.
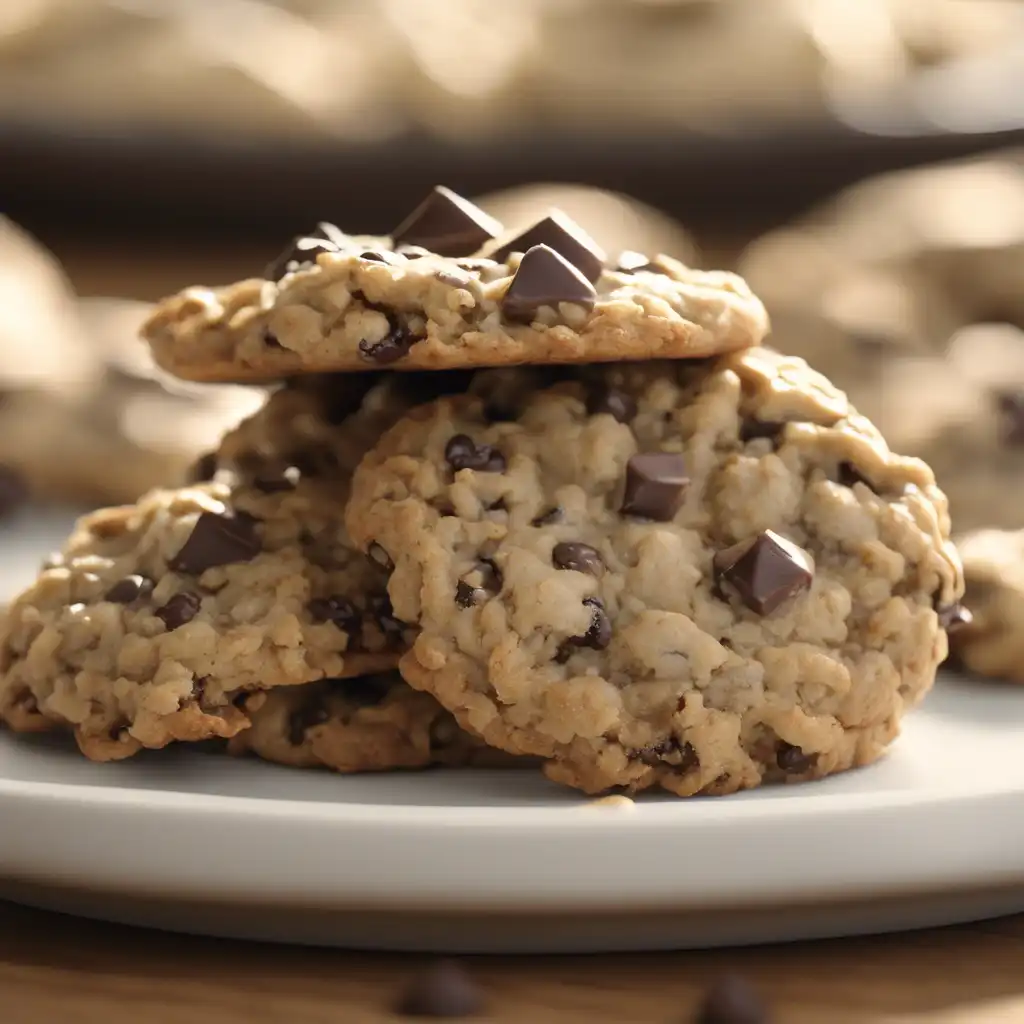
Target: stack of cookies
510	497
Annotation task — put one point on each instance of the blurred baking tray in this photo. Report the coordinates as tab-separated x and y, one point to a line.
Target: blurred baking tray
117	182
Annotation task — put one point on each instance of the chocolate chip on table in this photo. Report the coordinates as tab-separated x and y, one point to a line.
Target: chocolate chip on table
765	571
302	252
380	557
566	237
304	718
612	402
792	759
14	490
545	278
629	262
203	469
954	617
655	485
180	609
129	589
577	556
338	610
217	540
552	515
446	224
462	452
445	989
731	1000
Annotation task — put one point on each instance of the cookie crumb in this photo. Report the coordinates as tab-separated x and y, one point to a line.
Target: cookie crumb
444	989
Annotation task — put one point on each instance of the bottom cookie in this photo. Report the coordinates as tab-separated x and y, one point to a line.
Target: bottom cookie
369	724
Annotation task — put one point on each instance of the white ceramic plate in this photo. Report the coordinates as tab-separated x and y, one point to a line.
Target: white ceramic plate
504	861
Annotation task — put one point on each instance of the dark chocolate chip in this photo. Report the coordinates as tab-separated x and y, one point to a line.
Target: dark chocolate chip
1011	405
753	430
577	556
954	617
655	485
13	490
380	557
792	759
681	756
203	469
765	571
377	256
731	1000
217	540
394	345
179	609
612	402
552	515
445	989
466	595
447	224
302	252
599	635
338	610
545	278
384	615
566	237
629	262
304	718
461	452
129	589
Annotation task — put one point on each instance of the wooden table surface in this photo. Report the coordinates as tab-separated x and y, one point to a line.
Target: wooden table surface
58	969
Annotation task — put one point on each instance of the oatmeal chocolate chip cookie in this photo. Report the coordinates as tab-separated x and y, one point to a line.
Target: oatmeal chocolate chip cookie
158	617
372	723
449	289
698	575
989	639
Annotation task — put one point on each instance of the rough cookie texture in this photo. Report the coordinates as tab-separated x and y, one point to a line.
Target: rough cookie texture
369	724
694	575
991	642
158	616
343	303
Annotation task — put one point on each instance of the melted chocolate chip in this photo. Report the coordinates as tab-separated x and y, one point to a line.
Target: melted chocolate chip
203	469
792	759
765	571
179	610
552	515
14	490
566	237
577	556
380	557
545	278
335	609
461	452
129	589
394	345
304	718
655	485
302	252
612	402
597	637
731	1000
680	755
447	224
445	989
217	540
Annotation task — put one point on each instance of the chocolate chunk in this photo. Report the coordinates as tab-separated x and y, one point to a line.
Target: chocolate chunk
446	224
461	452
13	490
954	617
731	1000
304	718
793	759
566	237
384	615
1011	405
553	515
612	402
545	279
129	589
681	756
655	485
380	557
466	595
217	540
752	430
580	557
302	252
203	469
180	609
765	571
629	262
445	989
338	610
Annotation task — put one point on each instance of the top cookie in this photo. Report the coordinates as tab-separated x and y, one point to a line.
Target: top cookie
449	289
694	575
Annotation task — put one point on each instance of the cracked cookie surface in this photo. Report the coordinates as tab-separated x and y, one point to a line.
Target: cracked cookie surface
699	576
549	295
158	616
367	724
